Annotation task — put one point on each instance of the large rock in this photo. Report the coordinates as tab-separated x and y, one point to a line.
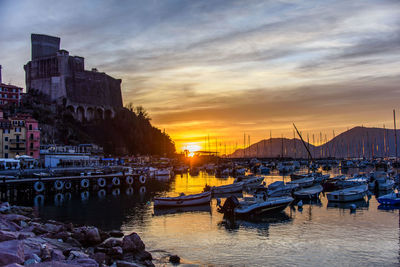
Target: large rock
53	228
143	255
8	225
15	218
11	251
5	206
116	233
132	243
111	242
85	262
7	235
99	257
87	235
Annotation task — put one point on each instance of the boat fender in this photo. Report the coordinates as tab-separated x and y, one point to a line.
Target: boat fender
116	192
39	187
101	182
353	207
58	185
68	196
85	195
116	181
38	200
142	190
58	199
129	191
129	180
101	193
300	204
142	179
68	185
85	183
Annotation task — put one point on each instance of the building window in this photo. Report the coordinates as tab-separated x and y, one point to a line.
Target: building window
5	95
17	130
31	145
6	138
6	155
6	147
6	131
31	153
30	127
31	136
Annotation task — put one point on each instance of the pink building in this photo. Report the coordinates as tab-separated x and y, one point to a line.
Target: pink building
32	137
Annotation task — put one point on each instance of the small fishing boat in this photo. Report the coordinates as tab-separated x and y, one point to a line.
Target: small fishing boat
259	204
352	182
183	200
264	169
229	188
279	188
309	192
390	199
380	181
304	182
250	181
348	194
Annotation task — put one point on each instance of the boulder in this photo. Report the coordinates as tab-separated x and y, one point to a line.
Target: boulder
116	233
99	257
74	254
111	242
115	252
72	241
5	206
13	265
57	255
132	243
7	235
11	251
92	236
85	262
175	259
9	225
15	218
143	255
53	228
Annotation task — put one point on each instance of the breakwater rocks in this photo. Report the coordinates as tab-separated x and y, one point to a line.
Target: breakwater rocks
27	240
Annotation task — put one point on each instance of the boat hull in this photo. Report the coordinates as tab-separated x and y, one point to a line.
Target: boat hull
349	194
263	208
389	199
192	200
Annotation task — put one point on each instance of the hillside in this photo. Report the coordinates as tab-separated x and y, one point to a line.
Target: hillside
129	132
356	142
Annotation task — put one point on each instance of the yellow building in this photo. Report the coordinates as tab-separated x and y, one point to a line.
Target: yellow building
13	135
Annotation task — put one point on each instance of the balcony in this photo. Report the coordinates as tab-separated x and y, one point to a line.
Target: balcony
17	141
34	139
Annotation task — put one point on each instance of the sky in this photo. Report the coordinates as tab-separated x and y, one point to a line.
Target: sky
227	68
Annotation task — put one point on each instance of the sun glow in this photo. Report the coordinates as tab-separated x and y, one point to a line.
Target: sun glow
191	148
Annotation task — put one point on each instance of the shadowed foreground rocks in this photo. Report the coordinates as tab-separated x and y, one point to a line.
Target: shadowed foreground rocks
27	240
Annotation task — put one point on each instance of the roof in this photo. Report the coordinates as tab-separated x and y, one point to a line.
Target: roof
10	86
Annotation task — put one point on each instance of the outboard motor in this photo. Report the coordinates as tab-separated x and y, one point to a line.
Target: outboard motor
230	204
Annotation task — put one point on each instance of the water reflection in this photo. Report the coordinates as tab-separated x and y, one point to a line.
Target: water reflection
320	233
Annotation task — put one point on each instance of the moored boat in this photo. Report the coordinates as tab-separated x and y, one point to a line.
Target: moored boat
304	182
229	188
183	200
348	194
309	192
279	188
390	199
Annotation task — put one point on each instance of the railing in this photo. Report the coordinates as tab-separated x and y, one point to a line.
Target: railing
17	148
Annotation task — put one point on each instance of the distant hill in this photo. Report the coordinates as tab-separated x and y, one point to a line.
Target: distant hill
356	142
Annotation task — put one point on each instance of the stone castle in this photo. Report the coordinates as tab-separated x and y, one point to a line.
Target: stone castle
87	94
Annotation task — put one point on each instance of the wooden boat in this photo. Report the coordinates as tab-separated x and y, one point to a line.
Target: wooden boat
308	181
390	199
309	192
348	194
229	188
181	201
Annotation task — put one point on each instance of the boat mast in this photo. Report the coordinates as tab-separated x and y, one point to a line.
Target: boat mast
395	133
304	144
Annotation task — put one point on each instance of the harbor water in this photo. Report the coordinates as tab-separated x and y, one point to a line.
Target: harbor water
318	234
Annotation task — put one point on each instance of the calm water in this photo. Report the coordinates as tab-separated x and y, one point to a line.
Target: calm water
319	234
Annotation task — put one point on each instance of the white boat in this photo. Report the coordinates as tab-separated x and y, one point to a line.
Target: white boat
279	188
163	172
308	181
351	182
259	204
181	201
380	181
348	194
229	188
309	192
250	181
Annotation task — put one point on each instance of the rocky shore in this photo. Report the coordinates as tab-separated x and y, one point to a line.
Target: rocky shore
26	239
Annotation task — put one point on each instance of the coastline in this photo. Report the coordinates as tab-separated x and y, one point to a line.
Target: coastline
26	239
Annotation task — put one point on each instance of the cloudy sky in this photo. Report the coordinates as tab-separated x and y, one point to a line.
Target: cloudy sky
222	68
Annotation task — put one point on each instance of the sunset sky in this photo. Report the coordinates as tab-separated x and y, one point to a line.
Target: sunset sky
222	68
